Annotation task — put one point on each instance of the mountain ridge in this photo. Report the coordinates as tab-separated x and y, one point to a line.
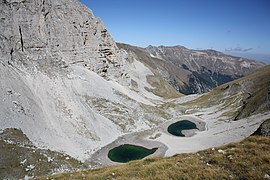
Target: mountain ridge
201	70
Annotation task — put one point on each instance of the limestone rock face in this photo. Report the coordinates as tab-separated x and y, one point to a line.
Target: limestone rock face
63	80
49	34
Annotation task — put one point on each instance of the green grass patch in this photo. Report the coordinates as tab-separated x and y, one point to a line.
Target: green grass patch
248	159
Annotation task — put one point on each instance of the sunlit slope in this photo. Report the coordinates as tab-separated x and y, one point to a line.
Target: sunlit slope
248	159
243	97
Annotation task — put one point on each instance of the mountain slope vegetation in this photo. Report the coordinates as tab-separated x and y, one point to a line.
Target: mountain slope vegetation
248	159
244	97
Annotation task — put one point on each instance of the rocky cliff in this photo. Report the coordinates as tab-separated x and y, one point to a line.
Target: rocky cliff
65	83
52	35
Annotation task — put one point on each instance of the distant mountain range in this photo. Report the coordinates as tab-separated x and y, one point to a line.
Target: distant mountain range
255	56
193	71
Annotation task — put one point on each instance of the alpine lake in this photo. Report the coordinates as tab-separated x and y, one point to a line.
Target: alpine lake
128	152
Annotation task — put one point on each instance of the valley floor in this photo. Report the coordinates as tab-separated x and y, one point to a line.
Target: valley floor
212	132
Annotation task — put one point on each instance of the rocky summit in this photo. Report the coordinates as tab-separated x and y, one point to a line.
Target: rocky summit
69	93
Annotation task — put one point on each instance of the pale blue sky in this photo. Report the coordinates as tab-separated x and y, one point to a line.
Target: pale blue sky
232	26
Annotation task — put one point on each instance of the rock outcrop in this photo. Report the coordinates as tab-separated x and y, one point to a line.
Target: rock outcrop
264	129
51	35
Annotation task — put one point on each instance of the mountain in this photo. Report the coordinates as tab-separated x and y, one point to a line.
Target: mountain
241	98
69	94
50	36
64	82
193	71
248	159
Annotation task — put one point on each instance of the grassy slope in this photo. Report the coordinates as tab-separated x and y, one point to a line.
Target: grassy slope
245	96
20	158
248	159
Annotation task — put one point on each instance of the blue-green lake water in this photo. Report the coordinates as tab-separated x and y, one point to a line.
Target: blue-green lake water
127	152
176	128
